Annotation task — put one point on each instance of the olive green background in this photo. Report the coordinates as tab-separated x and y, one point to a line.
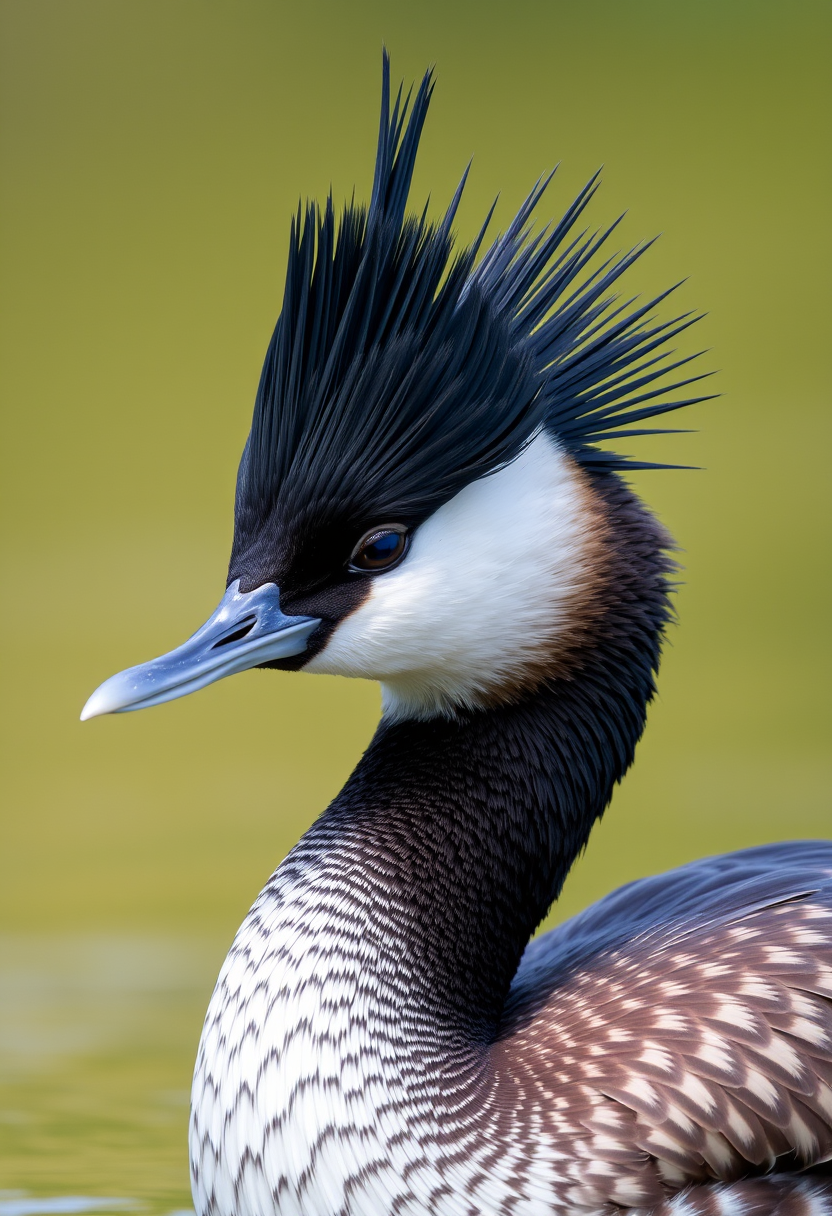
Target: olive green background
151	154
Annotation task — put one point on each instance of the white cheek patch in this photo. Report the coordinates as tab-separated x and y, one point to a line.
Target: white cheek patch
493	582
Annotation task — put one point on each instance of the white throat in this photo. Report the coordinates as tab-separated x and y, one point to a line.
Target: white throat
493	588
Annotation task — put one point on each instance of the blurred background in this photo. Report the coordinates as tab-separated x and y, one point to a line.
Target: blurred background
150	157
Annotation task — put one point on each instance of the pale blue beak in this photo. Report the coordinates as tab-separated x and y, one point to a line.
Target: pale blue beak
248	628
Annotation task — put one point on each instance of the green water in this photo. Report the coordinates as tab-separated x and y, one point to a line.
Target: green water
150	156
96	1034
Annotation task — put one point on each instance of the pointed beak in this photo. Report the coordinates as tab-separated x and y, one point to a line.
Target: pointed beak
247	629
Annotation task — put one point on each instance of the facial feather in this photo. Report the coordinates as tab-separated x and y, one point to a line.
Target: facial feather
497	585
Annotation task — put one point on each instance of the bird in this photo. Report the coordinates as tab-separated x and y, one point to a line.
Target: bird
431	496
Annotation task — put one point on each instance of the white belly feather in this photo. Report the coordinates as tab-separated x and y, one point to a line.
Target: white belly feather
316	1093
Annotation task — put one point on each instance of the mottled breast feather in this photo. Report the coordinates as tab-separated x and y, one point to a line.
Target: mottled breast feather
667	1052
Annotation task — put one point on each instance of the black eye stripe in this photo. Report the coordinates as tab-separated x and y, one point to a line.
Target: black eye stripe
380	549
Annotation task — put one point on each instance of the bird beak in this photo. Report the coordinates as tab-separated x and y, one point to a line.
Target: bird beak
247	629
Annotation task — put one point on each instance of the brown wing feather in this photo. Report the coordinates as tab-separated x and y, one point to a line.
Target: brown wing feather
776	1195
693	1051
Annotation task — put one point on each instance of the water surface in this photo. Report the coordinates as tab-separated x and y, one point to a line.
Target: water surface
97	1037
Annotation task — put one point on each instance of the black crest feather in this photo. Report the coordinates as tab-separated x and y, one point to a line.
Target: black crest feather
399	371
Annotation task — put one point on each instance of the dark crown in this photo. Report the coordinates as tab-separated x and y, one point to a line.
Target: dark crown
400	371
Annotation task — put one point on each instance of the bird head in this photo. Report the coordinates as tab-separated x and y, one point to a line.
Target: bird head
417	500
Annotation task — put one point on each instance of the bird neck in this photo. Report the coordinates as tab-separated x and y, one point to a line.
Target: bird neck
453	837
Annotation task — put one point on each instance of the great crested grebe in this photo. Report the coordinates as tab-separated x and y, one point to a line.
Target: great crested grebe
421	501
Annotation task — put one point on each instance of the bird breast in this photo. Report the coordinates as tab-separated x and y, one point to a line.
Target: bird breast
322	1086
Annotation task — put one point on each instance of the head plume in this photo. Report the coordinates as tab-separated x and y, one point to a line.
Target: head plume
399	371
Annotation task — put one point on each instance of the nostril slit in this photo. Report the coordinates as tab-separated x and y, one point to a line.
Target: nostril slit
237	635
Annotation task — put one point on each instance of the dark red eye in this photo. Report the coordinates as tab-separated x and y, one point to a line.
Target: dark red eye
380	549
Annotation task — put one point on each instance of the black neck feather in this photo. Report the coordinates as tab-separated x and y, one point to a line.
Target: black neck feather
458	835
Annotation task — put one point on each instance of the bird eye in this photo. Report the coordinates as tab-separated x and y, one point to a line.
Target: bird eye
380	549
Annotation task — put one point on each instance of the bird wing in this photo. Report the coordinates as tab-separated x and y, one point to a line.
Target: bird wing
680	1031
